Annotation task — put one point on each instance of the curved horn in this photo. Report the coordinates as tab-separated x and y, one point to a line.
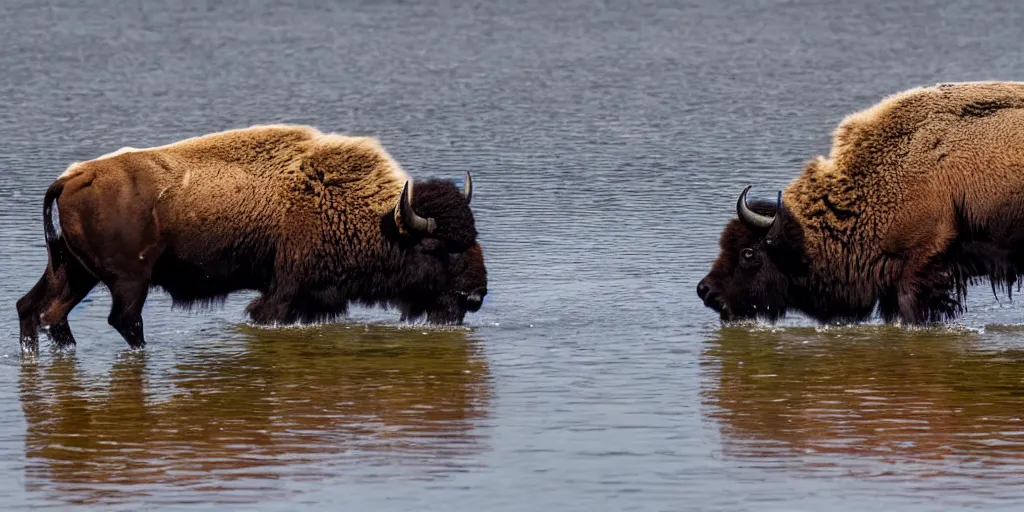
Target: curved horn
776	230
749	216
467	189
404	214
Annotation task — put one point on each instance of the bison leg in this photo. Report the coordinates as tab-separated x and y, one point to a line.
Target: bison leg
29	307
129	295
71	284
921	304
49	302
909	306
271	308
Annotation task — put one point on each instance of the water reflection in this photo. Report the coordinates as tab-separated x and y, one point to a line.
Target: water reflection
910	402
235	413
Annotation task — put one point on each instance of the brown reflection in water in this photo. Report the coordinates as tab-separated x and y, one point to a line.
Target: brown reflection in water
885	394
234	415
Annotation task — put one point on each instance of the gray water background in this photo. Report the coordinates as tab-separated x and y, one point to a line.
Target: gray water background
608	142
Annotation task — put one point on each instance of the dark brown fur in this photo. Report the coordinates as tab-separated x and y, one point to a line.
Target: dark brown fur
306	218
466	293
921	195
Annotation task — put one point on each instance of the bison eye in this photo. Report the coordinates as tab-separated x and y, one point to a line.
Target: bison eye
747	253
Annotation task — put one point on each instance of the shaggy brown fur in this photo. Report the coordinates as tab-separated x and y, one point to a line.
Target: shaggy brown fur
311	220
920	195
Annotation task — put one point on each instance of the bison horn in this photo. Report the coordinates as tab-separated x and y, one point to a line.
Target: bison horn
751	217
405	216
467	189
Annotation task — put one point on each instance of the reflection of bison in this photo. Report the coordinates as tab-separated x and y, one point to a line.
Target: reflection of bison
877	393
313	221
921	195
370	401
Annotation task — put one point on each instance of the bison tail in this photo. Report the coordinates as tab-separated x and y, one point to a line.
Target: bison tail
49	228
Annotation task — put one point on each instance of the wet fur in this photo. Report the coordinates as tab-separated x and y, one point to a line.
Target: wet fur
921	196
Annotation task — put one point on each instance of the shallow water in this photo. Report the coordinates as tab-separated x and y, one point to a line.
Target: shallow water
608	142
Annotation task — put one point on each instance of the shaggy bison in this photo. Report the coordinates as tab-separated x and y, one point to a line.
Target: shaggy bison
921	195
313	221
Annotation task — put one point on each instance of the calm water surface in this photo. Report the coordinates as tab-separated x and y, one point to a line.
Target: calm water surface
608	142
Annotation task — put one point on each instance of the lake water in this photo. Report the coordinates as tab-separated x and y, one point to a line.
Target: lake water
608	142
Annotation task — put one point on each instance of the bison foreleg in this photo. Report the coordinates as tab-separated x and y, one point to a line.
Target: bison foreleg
925	301
272	308
126	311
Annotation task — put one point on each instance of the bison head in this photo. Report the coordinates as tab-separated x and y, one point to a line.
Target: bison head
444	275
759	259
469	287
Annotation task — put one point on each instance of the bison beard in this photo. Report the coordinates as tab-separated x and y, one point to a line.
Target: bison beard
331	241
466	294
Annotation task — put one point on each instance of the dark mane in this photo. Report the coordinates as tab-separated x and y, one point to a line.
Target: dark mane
443	201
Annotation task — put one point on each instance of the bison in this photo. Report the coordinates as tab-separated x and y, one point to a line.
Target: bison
313	221
921	195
